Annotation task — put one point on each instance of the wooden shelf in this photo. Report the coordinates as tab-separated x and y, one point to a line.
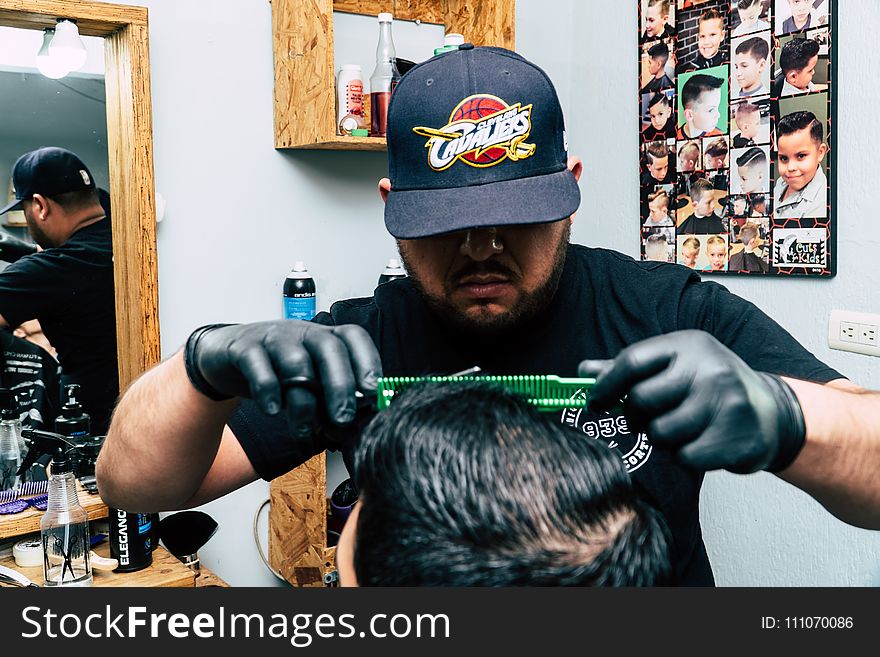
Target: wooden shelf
305	76
340	143
165	571
28	522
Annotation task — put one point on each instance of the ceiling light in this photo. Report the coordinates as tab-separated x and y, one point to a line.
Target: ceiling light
51	67
67	45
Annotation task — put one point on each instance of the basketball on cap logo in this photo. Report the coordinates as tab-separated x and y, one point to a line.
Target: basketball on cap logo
482	131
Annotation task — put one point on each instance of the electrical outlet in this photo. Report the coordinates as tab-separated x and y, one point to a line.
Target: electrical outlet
850	332
854	331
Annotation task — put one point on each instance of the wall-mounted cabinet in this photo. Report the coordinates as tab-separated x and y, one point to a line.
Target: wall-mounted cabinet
302	33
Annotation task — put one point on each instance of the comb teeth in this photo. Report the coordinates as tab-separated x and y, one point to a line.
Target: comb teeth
25	489
545	392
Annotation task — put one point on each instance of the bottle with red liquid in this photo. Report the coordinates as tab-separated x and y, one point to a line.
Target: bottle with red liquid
384	77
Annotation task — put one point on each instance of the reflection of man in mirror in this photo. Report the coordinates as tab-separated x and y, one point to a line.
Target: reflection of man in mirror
68	285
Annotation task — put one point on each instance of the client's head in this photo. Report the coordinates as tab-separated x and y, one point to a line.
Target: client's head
465	484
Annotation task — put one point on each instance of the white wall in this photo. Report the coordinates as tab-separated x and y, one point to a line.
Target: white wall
240	213
759	531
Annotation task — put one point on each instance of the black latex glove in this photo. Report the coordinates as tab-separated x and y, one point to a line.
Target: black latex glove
12	248
696	397
287	363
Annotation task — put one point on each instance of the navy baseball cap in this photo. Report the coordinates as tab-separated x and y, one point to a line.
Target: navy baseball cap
476	138
48	171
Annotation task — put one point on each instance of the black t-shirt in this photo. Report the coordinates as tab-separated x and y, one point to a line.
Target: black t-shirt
32	374
742	142
70	290
605	302
653	134
699	62
694	225
658	84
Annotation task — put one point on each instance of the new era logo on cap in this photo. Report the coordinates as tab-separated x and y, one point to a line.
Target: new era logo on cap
48	171
476	138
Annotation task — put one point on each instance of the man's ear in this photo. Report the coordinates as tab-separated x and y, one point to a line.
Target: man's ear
576	166
384	188
790	77
40	206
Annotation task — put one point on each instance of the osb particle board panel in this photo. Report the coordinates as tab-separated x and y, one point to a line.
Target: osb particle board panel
427	11
298	523
483	23
305	106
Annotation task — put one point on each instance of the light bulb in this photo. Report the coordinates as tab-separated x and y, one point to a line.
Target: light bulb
51	67
67	45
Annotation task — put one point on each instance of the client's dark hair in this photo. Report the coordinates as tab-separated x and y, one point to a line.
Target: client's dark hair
465	484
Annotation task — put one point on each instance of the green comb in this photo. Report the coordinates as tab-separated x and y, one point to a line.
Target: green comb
545	392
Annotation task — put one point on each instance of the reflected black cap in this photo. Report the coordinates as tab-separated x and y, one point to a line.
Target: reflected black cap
476	138
48	171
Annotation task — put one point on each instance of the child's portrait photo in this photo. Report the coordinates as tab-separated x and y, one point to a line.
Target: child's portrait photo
794	16
690	156
715	152
659	210
738	205
658	121
658	19
714	256
750	123
801	183
749	250
707	48
659	245
701	212
750	170
689	248
703	104
749	16
750	70
657	72
759	205
800	69
658	164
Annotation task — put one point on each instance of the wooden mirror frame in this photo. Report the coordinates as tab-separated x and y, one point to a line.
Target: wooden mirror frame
130	146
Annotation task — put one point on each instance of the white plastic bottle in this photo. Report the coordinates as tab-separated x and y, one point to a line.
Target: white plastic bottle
64	530
349	99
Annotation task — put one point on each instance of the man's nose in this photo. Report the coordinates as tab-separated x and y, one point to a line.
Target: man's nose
481	244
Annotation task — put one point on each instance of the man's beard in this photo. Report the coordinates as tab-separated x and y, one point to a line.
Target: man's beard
485	324
36	233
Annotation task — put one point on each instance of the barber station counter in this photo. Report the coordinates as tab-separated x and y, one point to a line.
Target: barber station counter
166	570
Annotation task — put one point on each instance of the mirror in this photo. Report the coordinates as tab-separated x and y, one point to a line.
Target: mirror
127	166
66	300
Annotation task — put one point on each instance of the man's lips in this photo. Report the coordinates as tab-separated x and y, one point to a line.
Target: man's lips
486	286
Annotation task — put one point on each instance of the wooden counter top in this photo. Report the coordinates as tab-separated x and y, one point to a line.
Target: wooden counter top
28	522
166	570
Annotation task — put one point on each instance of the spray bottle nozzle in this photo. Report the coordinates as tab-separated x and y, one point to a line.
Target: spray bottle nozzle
65	448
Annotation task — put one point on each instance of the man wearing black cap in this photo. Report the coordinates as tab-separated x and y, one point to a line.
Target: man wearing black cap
480	197
68	285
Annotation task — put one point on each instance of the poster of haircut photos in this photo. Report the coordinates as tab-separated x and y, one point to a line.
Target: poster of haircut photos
735	104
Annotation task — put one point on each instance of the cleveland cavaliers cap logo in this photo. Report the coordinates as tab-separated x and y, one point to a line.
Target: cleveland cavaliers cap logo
482	131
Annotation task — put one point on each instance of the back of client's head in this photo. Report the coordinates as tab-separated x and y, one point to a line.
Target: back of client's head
465	484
